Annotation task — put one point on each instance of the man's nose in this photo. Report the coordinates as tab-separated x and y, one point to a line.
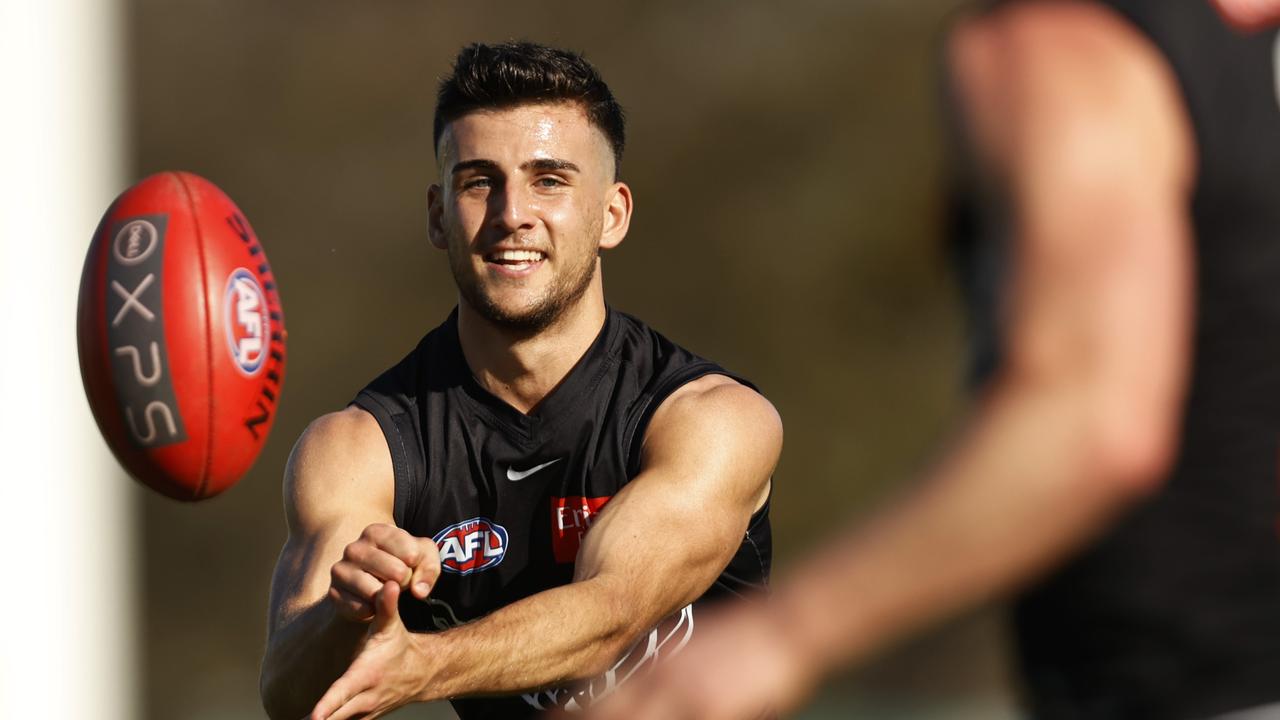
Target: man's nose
512	209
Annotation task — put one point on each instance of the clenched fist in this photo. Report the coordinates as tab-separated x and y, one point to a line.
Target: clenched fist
383	553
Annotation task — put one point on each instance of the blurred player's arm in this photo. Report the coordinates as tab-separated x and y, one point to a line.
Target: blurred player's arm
1079	118
657	546
338	488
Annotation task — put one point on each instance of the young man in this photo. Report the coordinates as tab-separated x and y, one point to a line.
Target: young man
1121	246
454	495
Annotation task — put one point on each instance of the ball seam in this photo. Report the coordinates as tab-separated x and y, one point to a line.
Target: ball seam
208	336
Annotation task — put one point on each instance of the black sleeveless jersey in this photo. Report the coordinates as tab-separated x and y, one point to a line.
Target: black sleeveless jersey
507	496
1176	612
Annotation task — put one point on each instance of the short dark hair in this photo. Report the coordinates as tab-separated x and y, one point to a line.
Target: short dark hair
513	73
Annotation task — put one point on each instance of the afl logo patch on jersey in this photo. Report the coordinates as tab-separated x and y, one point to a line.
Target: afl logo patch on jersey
471	546
248	324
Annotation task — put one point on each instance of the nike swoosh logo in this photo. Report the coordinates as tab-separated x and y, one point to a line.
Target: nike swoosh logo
515	475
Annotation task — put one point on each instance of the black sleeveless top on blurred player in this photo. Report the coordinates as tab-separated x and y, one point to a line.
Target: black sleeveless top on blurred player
1176	612
507	496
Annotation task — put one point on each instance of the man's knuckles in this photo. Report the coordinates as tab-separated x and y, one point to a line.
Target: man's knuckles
376	561
430	560
413	556
361	580
399	542
349	606
389	553
377	531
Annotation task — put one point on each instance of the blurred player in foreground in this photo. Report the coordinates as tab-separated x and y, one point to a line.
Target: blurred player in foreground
454	493
1121	242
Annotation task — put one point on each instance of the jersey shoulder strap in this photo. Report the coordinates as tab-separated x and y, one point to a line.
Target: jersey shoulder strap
661	367
395	399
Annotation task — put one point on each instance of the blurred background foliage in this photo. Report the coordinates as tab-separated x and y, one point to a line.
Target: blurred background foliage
787	163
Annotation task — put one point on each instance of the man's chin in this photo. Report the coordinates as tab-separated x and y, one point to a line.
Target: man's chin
516	319
1249	15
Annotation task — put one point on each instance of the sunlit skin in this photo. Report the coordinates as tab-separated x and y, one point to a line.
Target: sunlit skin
526	200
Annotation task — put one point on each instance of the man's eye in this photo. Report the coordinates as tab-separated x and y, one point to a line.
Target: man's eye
480	182
549	182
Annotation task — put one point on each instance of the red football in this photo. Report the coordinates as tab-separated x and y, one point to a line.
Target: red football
181	336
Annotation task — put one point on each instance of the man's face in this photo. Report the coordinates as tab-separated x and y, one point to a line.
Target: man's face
525	202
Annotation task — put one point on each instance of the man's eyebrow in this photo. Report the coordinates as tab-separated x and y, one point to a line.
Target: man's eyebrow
537	165
547	164
473	165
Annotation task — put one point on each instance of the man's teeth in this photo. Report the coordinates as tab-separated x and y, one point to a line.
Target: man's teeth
517	256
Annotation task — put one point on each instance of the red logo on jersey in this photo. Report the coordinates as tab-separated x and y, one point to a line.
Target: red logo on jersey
570	518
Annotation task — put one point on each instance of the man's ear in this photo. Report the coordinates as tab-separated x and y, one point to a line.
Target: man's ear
435	217
617	216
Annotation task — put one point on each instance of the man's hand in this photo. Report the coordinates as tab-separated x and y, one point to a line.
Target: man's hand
740	665
382	554
387	670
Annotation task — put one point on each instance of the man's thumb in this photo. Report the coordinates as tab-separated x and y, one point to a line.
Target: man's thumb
386	614
427	571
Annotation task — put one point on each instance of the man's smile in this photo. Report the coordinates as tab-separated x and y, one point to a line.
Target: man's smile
515	263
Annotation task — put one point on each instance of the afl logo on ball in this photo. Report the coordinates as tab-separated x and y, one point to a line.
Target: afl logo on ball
247	321
471	546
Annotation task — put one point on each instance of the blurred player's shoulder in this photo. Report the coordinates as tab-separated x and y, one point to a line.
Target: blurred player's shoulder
1073	82
340	454
1087	26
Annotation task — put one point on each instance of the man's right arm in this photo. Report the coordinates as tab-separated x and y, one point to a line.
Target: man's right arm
338	488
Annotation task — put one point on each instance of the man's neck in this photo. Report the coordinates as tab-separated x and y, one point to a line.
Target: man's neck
522	370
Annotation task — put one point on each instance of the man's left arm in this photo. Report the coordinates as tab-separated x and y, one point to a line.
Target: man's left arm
657	546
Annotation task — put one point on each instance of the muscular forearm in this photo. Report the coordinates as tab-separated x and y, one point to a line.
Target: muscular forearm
303	657
557	636
1025	484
